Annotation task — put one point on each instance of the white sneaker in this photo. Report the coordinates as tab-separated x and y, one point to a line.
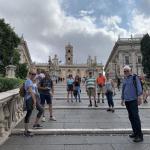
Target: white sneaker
52	118
43	119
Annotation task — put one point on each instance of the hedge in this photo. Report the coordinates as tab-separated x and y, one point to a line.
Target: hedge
9	83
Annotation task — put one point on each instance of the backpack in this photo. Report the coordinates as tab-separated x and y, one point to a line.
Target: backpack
22	91
135	84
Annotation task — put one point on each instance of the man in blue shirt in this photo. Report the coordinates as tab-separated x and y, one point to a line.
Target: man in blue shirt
131	97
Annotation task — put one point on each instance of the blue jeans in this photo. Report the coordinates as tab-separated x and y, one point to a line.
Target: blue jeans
109	96
133	112
77	88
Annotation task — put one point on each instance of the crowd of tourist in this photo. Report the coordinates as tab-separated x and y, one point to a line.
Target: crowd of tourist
39	89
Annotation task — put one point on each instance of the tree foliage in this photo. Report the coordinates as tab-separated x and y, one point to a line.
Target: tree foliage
22	71
16	57
9	84
145	50
9	41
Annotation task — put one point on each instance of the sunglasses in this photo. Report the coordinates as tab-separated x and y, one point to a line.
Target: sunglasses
126	71
33	74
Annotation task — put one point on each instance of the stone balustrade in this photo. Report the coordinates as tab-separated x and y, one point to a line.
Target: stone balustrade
11	112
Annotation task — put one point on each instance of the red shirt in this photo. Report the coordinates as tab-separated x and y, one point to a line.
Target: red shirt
101	80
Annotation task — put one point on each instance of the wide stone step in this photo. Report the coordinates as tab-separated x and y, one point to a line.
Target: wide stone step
75	142
80	131
88	119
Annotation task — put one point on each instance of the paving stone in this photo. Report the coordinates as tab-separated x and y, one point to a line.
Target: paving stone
74	118
89	147
131	146
76	142
69	118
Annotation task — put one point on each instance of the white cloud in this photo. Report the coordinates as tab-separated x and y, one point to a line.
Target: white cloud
113	20
111	25
86	13
140	23
47	29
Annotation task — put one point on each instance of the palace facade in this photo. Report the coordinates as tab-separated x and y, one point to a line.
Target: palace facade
24	53
63	70
126	51
57	69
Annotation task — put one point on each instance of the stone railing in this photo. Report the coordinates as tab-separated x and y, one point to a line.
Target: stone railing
11	112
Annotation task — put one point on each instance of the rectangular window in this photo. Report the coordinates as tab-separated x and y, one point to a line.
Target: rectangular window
127	60
139	59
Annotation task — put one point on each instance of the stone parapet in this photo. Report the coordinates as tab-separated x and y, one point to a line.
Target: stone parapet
11	112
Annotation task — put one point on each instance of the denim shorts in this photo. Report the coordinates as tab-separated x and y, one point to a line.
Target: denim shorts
47	98
70	87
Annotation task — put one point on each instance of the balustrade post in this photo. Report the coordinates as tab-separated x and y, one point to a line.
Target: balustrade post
2	117
6	116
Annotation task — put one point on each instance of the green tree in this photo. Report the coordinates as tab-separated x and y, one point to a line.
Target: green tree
145	50
22	71
16	57
9	40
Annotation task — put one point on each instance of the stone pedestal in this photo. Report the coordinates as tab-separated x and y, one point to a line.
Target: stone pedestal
10	71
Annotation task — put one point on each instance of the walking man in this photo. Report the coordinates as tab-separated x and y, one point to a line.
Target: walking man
100	86
131	96
91	89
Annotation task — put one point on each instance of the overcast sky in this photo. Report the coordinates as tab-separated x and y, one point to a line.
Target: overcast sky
91	26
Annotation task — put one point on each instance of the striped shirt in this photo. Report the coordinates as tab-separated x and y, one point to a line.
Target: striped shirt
90	82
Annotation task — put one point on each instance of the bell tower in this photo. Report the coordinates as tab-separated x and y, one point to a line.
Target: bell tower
69	54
